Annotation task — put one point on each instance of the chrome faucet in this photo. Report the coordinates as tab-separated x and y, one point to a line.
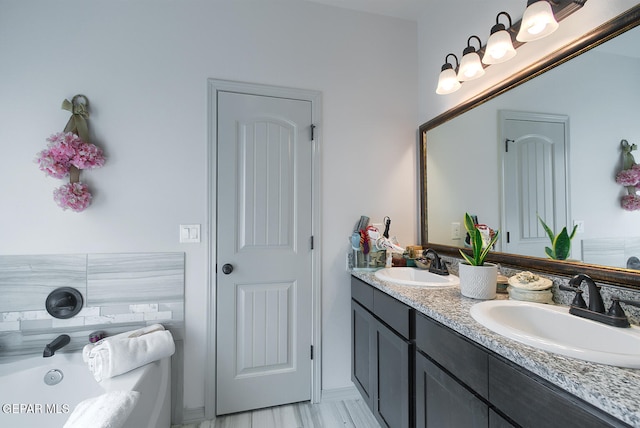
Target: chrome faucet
57	343
437	265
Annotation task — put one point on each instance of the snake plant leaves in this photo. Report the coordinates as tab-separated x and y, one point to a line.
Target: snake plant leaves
561	243
475	236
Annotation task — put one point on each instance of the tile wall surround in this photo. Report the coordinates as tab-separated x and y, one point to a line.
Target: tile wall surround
566	297
121	292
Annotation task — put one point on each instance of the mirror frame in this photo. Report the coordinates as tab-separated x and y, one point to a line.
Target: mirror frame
616	276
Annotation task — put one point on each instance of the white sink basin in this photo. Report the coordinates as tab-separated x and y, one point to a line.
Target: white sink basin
553	329
416	277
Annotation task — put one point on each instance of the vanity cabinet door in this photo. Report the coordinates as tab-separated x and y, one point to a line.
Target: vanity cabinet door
532	402
363	327
497	421
441	402
456	354
392	406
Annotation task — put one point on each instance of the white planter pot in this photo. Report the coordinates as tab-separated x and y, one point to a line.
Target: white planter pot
478	282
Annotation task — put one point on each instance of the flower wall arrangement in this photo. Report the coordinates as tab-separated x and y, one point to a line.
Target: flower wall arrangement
67	153
629	177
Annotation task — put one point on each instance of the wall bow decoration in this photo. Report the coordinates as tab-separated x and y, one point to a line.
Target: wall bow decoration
629	177
68	152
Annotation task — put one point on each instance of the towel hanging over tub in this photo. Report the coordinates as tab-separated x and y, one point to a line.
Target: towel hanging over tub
119	354
109	410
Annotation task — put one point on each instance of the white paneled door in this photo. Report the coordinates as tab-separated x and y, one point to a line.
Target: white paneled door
264	251
535	180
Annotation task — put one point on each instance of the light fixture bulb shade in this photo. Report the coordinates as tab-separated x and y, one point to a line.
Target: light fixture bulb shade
499	48
470	67
447	82
537	22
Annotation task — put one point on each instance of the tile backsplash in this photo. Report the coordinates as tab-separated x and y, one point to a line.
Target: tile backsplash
120	291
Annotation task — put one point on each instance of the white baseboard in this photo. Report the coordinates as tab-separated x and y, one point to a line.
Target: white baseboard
335	394
192	415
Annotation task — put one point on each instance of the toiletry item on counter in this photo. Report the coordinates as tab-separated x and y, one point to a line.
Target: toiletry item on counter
503	284
530	287
414	251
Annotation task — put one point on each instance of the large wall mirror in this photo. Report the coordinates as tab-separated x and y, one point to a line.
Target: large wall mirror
590	91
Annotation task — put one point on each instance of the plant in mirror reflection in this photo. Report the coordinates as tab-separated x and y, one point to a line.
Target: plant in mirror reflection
560	243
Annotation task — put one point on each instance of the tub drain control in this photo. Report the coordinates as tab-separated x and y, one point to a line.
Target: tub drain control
53	377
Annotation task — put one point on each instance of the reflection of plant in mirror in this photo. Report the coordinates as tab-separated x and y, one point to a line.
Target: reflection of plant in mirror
560	243
477	244
629	177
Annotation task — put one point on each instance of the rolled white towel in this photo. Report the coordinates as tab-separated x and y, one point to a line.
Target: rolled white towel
132	333
109	410
117	356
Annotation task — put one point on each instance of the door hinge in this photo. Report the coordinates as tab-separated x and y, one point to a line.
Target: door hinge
312	242
506	144
313	128
312	352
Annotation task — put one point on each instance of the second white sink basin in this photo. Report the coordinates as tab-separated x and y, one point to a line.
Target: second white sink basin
416	277
553	329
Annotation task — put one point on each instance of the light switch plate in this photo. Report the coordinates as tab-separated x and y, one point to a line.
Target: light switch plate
189	233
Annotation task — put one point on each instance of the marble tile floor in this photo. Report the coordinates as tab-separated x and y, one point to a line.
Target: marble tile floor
330	414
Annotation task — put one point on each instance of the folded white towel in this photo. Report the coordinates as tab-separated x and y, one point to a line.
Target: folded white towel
119	355
132	333
109	410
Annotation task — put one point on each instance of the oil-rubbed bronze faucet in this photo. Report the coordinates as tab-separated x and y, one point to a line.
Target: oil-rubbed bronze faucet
615	316
437	266
51	348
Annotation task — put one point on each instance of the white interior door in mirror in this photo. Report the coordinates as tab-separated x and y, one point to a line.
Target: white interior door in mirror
534	165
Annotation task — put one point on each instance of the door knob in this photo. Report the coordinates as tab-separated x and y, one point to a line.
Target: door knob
227	269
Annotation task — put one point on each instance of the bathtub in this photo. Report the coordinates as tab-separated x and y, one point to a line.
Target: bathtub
27	401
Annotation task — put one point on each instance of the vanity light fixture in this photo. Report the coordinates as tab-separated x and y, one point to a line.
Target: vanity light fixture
538	21
448	81
470	66
499	46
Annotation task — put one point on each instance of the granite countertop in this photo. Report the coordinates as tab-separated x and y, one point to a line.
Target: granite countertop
612	389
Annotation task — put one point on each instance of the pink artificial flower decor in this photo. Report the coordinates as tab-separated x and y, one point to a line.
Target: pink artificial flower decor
75	196
66	149
631	202
70	151
629	177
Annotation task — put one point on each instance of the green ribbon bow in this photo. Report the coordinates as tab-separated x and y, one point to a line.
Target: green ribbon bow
79	114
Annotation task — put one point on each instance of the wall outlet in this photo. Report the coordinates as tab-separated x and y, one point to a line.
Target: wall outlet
455	230
580	224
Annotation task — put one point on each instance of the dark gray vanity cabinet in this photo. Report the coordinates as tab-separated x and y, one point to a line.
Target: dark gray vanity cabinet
382	354
460	383
533	402
442	402
415	372
441	399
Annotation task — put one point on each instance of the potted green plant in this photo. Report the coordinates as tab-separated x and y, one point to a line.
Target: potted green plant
560	243
478	279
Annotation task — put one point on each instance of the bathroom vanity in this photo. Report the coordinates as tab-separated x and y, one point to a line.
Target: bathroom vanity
420	360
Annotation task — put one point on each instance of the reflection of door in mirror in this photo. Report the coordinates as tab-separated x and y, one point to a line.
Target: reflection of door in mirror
534	182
